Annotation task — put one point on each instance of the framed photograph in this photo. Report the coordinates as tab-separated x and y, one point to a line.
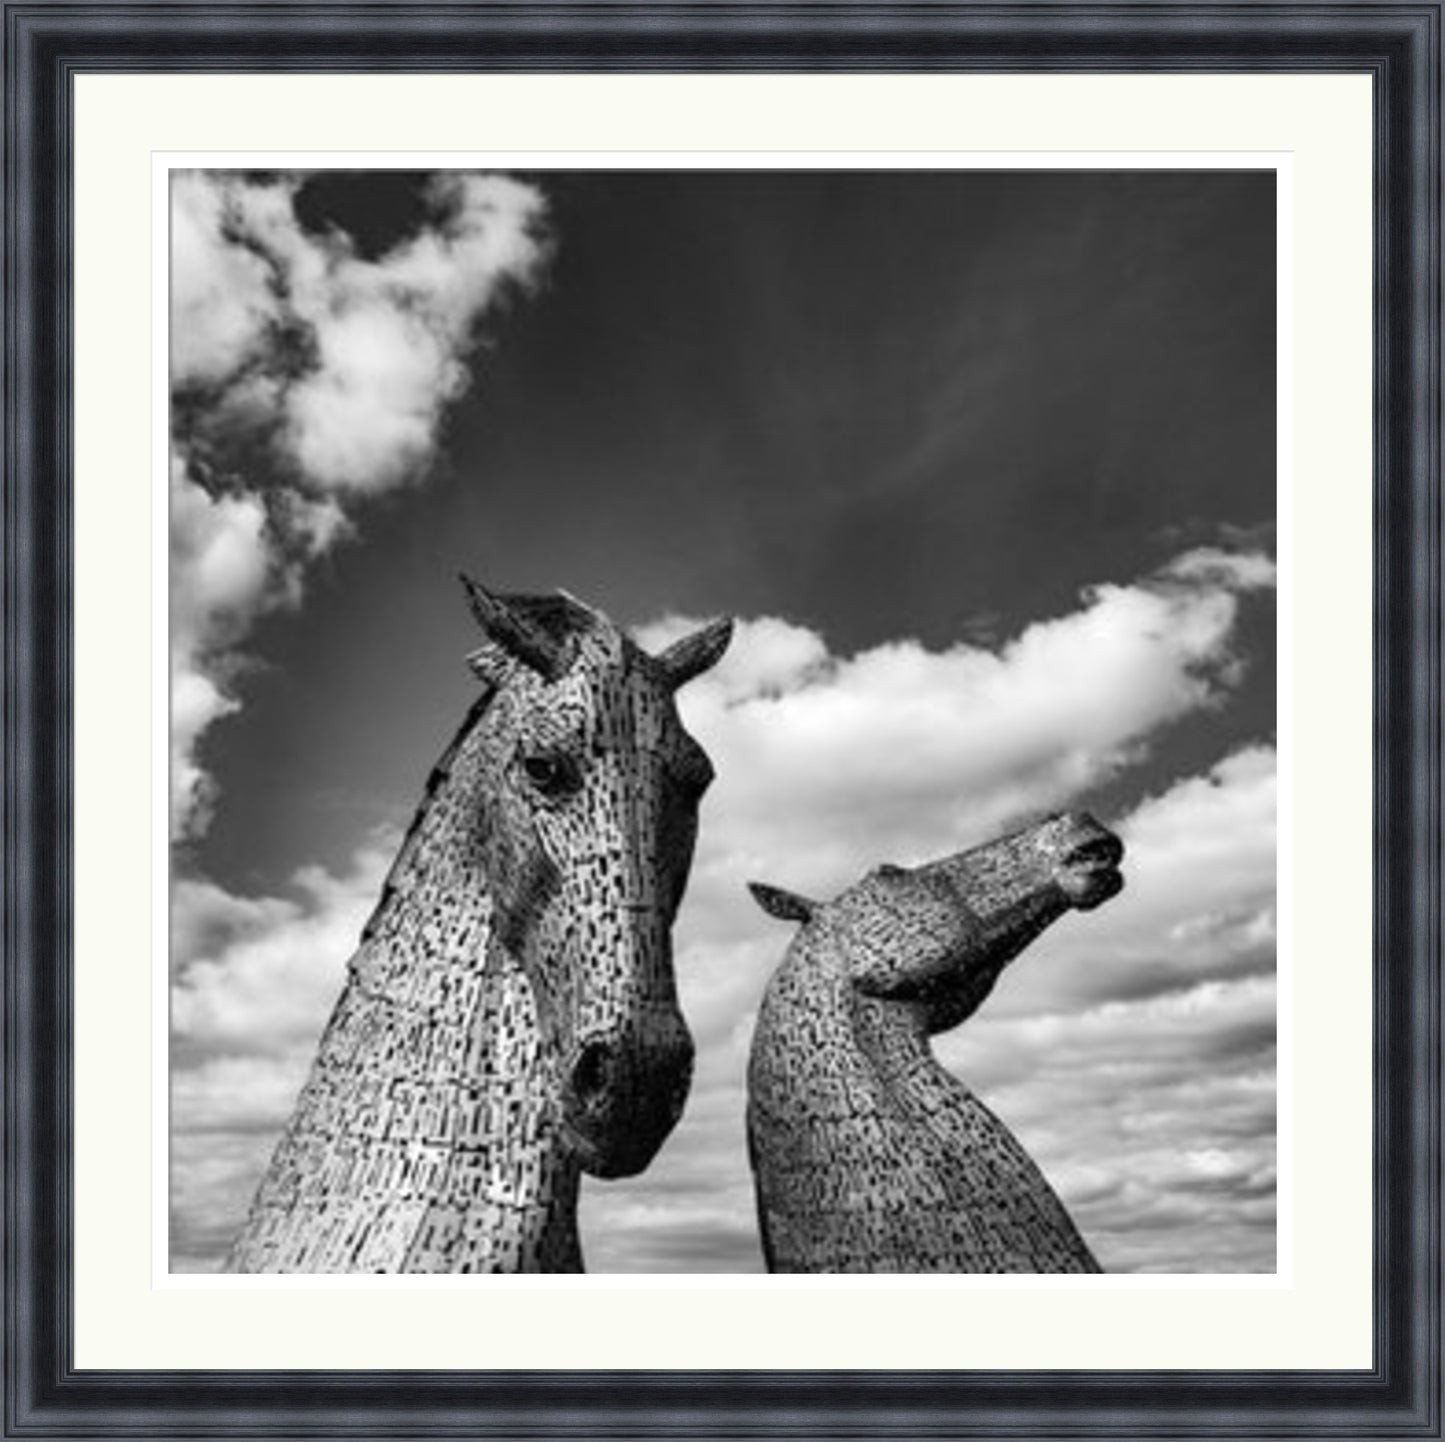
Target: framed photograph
1012	434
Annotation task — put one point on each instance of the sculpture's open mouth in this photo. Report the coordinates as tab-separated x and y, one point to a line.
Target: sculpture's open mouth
1089	872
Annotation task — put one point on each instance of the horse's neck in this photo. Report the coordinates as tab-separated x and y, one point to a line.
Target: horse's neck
818	1039
846	1099
1015	1221
468	1057
426	1137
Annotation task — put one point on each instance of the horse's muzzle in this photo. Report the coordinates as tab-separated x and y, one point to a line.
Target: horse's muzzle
624	1094
1086	859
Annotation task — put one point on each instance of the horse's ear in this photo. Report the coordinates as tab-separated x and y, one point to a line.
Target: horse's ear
696	653
785	905
517	635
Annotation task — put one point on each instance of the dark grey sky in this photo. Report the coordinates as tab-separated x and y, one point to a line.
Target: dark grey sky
926	404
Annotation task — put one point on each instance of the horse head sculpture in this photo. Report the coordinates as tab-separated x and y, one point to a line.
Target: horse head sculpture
868	1155
510	1018
592	789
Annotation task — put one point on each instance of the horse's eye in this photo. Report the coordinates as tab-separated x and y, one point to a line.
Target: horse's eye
551	775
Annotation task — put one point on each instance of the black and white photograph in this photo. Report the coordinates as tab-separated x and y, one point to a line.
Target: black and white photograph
724	721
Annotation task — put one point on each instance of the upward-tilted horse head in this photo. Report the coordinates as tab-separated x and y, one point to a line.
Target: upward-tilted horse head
510	1017
591	790
867	1154
938	936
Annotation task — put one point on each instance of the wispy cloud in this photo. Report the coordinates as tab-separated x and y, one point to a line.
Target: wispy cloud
305	378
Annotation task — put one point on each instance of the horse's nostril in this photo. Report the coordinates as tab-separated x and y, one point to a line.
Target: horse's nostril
591	1071
1104	849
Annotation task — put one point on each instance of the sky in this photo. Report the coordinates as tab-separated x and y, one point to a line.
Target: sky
984	465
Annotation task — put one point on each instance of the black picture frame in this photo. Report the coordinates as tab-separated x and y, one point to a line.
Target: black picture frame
1399	45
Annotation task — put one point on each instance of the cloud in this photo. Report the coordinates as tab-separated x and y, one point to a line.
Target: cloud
1245	570
347	362
305	378
222	301
1131	1048
253	981
902	753
1155	1119
257	972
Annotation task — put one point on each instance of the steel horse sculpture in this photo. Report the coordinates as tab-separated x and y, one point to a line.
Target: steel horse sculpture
868	1156
510	1017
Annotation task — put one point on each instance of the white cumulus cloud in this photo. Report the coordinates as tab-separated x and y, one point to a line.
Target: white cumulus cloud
902	753
253	981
